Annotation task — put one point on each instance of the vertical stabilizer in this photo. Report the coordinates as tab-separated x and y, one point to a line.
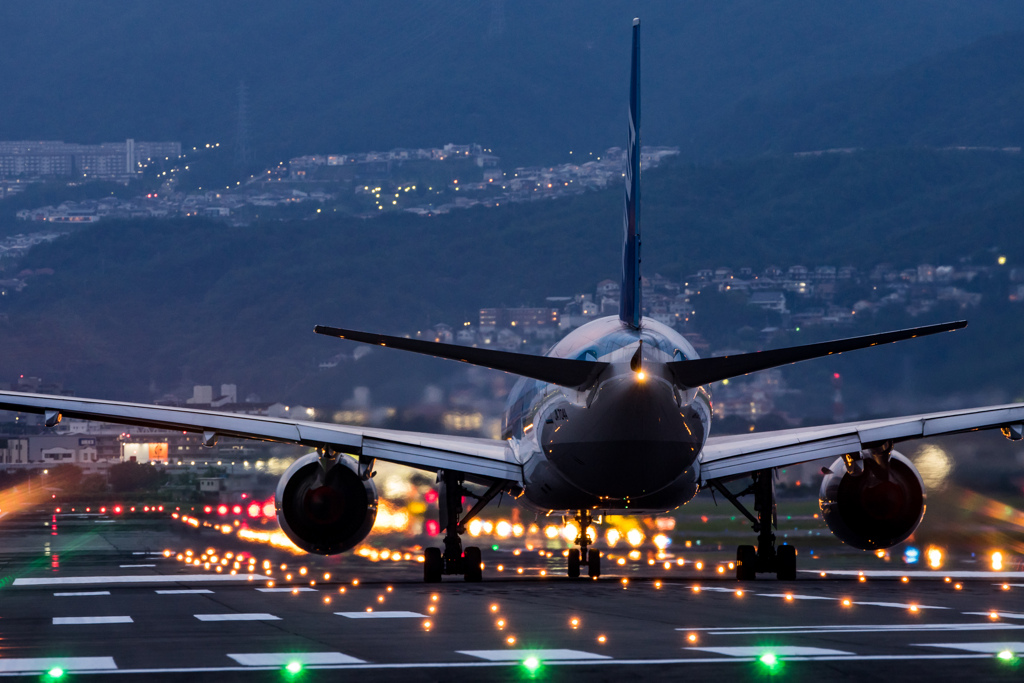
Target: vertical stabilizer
629	306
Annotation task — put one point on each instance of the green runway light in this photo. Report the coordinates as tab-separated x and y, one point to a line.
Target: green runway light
494	547
769	660
294	667
1006	656
531	664
55	672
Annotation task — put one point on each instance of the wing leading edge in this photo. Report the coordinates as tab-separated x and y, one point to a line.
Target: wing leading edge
480	457
724	457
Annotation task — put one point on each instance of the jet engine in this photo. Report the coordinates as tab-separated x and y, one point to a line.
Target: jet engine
872	502
325	512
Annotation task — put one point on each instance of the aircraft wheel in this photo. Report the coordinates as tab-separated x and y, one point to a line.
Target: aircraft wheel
574	564
432	565
746	563
594	563
472	566
785	558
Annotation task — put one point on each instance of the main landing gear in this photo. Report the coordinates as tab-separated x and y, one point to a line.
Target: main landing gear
455	560
584	556
765	558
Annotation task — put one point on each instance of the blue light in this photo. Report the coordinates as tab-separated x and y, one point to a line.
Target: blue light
911	555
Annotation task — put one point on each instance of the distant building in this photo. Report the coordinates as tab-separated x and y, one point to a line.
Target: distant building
108	160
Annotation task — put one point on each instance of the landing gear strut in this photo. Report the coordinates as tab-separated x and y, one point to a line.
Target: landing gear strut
455	560
765	558
584	556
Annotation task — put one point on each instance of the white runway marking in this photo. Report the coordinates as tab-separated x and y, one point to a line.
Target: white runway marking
83	594
135	566
918	574
778	651
718	589
41	664
277	659
853	628
794	596
990	648
1001	615
542	655
81	621
133	578
899	605
304	589
185	591
380	615
254	616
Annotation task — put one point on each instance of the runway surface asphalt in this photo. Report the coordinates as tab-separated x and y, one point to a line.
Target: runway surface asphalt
95	598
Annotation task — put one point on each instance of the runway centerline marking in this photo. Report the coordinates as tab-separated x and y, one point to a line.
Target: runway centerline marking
793	596
779	651
1001	615
251	616
990	648
518	655
917	574
80	594
135	566
185	591
394	614
897	605
81	621
853	628
41	664
303	589
132	578
278	659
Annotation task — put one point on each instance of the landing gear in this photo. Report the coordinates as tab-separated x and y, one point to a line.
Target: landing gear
453	559
765	558
591	559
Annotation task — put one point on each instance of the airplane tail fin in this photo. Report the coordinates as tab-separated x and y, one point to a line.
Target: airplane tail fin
694	373
629	303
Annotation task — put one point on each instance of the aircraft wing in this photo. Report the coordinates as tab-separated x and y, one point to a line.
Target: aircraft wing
725	457
485	458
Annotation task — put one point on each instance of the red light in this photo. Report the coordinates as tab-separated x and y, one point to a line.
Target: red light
117	509
57	510
433	527
431	496
103	509
207	509
133	509
835	375
161	508
237	510
244	496
269	509
222	509
254	510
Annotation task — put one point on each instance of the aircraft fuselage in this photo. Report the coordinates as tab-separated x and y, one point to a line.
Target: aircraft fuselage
631	441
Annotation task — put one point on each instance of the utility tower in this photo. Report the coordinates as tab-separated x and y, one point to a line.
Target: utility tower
243	151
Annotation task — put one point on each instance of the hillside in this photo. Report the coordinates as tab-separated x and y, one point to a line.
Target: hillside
530	79
137	309
972	96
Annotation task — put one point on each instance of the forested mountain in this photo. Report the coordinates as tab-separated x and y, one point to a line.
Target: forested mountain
530	79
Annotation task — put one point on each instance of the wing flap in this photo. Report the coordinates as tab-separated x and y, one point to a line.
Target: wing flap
730	456
481	457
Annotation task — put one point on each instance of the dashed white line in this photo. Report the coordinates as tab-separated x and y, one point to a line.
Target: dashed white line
82	621
185	591
779	651
518	655
283	658
135	566
41	664
853	628
1000	615
253	616
80	594
380	615
133	578
991	648
918	574
303	589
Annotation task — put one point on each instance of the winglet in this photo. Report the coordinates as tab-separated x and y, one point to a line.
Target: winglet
629	303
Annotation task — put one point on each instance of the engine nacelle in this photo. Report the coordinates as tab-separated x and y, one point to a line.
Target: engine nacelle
873	508
325	513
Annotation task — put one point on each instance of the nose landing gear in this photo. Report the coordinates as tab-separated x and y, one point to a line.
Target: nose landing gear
585	556
765	558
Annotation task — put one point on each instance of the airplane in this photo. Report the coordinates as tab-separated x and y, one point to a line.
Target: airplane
615	418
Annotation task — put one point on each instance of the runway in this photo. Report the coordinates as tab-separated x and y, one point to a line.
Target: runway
113	600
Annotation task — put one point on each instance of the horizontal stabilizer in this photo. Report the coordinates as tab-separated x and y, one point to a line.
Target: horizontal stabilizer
694	373
564	372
